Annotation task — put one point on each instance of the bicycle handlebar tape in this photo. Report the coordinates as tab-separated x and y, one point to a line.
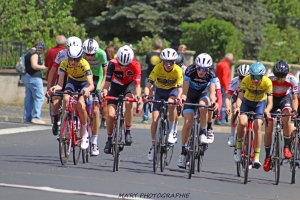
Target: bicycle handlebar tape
109	98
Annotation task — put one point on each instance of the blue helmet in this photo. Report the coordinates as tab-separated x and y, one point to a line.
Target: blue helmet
257	68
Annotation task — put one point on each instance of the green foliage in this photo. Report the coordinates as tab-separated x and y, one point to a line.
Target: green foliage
215	37
281	44
145	45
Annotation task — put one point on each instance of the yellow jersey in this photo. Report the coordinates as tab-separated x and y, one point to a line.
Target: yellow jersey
78	73
256	93
166	80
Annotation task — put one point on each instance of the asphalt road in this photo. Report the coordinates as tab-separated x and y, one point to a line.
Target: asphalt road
30	169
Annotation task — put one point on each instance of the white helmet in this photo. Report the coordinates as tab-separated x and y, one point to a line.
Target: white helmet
243	70
74	41
168	54
90	46
75	52
125	55
203	60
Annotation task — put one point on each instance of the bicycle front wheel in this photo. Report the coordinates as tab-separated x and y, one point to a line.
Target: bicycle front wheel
64	140
157	145
116	146
295	147
192	150
76	144
277	157
247	156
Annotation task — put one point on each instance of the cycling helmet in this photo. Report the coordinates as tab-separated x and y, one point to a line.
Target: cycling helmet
281	69
125	55
74	41
90	46
168	54
257	68
203	60
75	52
180	60
243	70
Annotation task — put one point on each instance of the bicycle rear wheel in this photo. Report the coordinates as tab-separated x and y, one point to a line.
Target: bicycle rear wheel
295	156
277	157
169	154
200	158
76	144
157	144
247	156
192	150
64	140
238	169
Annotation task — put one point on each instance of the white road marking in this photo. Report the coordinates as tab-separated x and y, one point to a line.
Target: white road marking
49	189
23	129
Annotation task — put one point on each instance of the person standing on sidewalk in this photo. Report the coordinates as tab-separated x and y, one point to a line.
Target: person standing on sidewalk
223	73
152	59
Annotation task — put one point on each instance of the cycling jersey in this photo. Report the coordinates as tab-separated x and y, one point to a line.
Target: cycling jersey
195	81
256	93
61	56
234	86
78	73
123	76
166	80
99	61
282	89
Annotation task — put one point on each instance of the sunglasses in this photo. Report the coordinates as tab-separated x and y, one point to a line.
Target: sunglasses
202	69
90	55
280	78
241	77
168	62
74	59
256	77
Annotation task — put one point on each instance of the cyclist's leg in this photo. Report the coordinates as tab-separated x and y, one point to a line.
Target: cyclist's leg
260	107
231	139
268	137
129	91
243	121
172	95
96	120
204	100
285	105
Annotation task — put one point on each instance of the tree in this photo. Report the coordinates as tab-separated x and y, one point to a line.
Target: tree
212	36
145	45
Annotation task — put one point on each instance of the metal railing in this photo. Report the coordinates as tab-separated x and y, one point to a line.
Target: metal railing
10	52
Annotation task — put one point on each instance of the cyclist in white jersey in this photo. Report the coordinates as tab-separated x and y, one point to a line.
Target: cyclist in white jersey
233	90
61	56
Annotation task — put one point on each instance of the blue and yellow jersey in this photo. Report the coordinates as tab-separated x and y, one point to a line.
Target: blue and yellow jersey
78	73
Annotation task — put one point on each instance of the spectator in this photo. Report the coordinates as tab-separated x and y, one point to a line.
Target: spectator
49	59
223	73
110	51
182	48
152	59
34	91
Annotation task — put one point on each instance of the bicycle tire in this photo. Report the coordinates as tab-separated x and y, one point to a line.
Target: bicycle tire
200	159
164	142
247	156
64	140
238	169
76	144
116	146
157	147
294	159
277	157
169	154
192	153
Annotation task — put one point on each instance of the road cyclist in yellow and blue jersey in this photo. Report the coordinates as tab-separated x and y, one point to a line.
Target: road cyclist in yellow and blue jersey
168	79
80	77
255	93
97	59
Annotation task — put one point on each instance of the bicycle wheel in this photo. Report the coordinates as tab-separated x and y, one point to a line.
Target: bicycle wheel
157	145
76	144
64	140
238	169
170	150
116	146
192	152
200	158
247	156
86	152
295	156
164	145
276	158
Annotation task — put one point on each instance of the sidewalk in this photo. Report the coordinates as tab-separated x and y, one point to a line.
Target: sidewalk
12	113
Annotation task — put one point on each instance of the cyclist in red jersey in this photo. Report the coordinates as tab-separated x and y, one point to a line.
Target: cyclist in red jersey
123	77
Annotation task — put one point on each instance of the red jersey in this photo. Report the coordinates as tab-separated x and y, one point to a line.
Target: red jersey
290	85
123	76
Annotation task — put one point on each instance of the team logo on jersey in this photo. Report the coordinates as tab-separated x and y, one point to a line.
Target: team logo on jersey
296	87
118	75
129	73
75	71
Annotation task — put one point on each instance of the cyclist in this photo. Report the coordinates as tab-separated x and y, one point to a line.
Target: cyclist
198	82
168	79
284	83
255	93
96	57
233	91
218	93
79	78
123	77
61	56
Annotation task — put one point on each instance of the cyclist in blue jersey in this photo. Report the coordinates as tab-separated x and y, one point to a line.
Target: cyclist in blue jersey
199	87
97	59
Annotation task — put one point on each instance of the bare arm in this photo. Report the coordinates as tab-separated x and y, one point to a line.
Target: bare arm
34	63
295	101
50	77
